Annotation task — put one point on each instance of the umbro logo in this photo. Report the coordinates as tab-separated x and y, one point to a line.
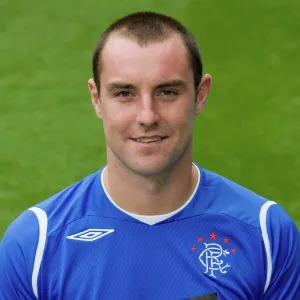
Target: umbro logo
90	235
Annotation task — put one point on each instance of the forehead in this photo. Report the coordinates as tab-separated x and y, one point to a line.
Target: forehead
124	59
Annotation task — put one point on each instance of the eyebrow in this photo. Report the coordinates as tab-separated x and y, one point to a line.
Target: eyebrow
123	85
119	85
172	83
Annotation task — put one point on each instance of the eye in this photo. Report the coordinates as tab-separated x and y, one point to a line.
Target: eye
168	93
123	94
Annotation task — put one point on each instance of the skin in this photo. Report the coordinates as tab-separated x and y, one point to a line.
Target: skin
148	92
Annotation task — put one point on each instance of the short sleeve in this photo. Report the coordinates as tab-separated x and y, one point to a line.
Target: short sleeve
17	254
284	254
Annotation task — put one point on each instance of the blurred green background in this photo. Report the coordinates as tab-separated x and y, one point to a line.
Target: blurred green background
50	136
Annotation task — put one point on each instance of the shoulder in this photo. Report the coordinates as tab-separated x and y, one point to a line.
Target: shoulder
54	212
236	201
68	205
23	229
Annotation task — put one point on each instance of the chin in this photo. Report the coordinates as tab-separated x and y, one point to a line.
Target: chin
148	169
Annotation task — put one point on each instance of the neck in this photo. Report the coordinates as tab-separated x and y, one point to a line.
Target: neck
150	196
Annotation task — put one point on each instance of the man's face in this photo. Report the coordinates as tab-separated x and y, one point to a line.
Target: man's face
147	102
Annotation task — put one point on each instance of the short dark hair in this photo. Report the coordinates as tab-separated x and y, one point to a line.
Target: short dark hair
147	27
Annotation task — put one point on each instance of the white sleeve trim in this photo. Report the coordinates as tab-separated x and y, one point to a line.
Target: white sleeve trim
264	231
43	224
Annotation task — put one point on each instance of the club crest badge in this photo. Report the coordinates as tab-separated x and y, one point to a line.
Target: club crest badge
214	254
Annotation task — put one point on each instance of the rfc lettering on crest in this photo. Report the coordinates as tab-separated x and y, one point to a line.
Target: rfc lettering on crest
211	259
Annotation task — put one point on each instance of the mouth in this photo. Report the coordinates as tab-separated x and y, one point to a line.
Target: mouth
148	140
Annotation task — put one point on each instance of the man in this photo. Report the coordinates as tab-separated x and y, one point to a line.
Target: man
151	224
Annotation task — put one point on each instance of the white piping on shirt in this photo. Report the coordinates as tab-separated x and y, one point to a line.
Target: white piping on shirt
264	232
43	224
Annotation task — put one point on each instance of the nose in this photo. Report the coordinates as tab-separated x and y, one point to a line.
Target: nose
147	113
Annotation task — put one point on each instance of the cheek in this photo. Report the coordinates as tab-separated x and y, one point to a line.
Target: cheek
115	120
184	122
182	115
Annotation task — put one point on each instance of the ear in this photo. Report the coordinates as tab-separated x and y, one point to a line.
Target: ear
95	97
202	93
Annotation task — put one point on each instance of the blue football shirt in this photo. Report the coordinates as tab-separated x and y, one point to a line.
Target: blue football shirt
78	244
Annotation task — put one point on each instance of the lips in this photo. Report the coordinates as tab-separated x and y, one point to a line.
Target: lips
150	139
